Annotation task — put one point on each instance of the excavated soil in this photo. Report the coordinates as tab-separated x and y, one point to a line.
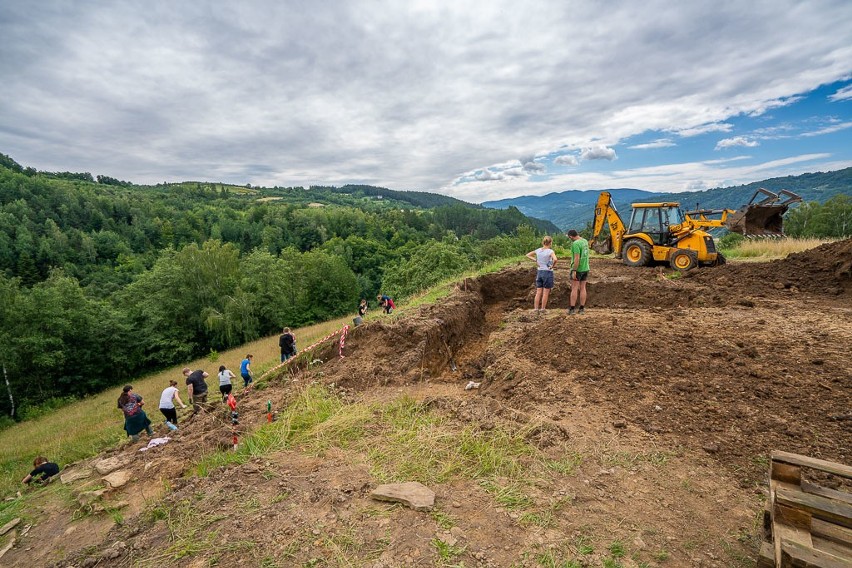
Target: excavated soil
669	393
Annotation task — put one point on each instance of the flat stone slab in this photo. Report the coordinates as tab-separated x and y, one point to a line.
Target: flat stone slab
108	465
117	478
412	494
76	474
9	526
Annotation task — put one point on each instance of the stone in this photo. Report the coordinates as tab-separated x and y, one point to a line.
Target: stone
108	465
8	547
457	532
619	424
9	526
76	474
412	494
117	478
89	497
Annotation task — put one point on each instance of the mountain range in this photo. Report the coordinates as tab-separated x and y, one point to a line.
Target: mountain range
575	208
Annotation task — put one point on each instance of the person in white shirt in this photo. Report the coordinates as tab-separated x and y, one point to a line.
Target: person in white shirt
167	402
225	385
546	259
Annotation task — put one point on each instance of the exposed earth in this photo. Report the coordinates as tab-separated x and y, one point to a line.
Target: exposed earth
637	434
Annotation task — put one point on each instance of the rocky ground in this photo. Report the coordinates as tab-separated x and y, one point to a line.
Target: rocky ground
637	434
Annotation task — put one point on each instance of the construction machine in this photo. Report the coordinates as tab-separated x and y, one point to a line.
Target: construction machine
662	232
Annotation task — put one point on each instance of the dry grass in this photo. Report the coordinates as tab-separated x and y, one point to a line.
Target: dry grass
88	426
770	249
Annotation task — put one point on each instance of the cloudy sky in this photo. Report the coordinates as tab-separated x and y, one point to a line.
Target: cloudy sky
479	100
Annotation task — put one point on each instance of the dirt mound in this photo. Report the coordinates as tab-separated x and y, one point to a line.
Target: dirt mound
824	270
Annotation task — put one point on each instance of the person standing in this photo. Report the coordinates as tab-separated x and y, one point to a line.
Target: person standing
287	343
135	419
579	271
196	388
167	403
43	471
545	259
245	370
225	384
362	307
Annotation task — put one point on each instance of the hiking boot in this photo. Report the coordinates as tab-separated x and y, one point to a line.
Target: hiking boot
581	311
570	311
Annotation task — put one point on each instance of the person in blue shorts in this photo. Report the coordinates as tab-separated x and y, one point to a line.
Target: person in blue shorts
546	259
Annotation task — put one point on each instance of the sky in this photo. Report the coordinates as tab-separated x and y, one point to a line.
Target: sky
480	100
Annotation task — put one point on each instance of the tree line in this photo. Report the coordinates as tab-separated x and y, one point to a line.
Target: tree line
100	282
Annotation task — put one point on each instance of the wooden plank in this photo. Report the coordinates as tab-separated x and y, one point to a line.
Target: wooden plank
766	557
785	472
814	463
832	547
814	489
830	531
820	507
797	555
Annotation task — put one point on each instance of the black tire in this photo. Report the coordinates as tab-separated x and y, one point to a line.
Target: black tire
720	259
636	252
683	260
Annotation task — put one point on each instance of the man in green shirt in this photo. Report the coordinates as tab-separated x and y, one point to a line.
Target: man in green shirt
579	270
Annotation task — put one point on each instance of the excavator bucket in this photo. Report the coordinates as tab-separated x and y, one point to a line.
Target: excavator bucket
603	247
762	218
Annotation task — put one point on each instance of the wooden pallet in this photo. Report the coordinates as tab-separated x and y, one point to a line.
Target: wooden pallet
805	525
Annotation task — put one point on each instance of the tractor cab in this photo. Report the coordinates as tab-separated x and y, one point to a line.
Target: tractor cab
655	220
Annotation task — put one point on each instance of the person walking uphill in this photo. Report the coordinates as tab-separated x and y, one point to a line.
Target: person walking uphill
245	370
135	419
579	271
287	343
546	259
167	404
196	388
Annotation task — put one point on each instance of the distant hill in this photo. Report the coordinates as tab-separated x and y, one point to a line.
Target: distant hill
574	209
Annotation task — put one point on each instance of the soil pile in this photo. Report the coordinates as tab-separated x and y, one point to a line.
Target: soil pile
826	270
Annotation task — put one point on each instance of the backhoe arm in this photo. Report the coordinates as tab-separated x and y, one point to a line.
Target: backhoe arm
605	212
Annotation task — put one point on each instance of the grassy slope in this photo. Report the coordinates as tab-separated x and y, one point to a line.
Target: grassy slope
86	427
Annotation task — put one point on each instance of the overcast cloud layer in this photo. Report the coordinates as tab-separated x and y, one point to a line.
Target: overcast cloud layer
480	100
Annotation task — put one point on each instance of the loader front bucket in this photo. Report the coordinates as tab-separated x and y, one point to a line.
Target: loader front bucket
764	218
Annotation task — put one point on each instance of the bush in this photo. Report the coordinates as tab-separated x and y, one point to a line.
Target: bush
731	241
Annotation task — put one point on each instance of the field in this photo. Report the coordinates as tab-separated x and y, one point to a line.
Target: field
634	435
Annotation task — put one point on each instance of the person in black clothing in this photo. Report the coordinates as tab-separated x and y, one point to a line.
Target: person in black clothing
287	343
196	388
362	307
43	471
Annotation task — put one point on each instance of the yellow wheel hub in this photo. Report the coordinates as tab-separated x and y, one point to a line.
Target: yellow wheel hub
682	261
634	253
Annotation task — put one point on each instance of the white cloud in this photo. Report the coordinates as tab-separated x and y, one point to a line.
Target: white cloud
843	94
566	160
535	167
704	129
488	175
660	143
262	91
696	185
736	141
598	153
829	129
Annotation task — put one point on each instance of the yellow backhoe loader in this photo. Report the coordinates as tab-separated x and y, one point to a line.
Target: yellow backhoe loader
661	232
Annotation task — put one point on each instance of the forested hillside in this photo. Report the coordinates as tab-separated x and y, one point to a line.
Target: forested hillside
575	209
101	279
